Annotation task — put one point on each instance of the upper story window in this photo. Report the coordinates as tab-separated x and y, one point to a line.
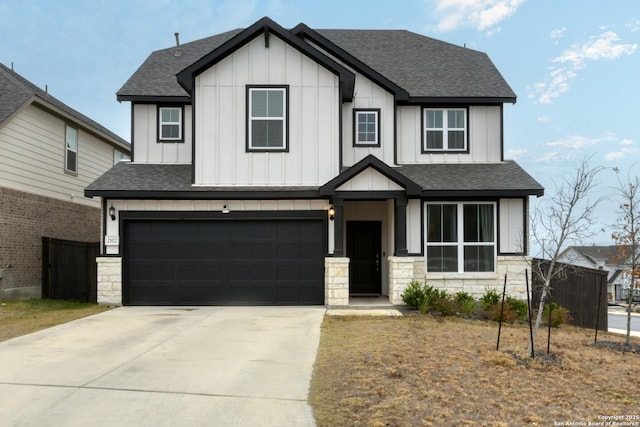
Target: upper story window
444	130
366	127
461	237
71	150
267	128
170	124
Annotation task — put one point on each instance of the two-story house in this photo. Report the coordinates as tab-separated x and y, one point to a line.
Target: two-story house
49	153
275	166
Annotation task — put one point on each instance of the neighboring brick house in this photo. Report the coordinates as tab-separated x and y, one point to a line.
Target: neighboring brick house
275	166
605	258
48	153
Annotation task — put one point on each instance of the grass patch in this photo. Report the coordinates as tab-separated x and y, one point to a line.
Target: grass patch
24	317
425	370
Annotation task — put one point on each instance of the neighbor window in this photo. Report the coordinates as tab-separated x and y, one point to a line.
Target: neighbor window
170	123
267	119
367	127
71	155
460	237
445	130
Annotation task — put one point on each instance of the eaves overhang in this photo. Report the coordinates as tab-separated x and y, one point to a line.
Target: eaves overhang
267	27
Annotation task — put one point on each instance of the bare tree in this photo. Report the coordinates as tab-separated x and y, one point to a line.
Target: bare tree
627	236
567	217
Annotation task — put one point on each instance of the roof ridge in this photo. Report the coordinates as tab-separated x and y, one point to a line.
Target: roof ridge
20	82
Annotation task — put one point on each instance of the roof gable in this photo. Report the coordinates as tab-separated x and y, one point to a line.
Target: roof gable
367	168
266	27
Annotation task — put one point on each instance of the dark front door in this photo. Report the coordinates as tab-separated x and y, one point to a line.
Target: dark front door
364	250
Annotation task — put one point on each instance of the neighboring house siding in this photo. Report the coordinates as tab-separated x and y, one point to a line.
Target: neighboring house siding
368	95
32	157
145	137
484	133
24	219
313	119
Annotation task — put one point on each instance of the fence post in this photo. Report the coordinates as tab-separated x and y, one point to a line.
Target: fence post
526	279
504	291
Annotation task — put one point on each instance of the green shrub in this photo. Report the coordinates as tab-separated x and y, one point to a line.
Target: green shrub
435	300
509	315
559	315
489	299
465	303
414	295
518	306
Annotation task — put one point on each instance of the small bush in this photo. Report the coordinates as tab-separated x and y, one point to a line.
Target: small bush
489	299
465	303
436	300
414	295
559	315
520	307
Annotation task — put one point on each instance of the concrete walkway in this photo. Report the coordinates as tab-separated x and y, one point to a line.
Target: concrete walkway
192	366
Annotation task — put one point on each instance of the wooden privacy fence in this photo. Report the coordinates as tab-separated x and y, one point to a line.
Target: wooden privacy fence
69	270
578	289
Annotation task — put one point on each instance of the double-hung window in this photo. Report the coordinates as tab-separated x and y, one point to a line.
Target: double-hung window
366	128
267	119
71	150
170	124
445	130
460	237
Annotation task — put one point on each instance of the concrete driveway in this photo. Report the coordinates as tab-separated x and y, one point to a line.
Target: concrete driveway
178	366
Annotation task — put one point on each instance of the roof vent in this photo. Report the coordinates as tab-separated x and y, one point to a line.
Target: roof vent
178	51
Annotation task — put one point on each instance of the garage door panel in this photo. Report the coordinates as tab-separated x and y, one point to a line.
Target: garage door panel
237	262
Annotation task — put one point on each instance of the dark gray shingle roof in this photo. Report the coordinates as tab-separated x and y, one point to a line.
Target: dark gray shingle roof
499	178
423	66
496	178
157	74
15	91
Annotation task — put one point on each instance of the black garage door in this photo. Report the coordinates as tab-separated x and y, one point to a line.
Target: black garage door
224	262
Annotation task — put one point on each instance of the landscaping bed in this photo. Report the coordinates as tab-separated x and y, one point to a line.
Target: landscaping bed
424	370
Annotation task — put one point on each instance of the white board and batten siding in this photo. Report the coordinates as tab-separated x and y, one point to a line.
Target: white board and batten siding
511	226
313	119
112	232
368	95
32	157
484	138
145	137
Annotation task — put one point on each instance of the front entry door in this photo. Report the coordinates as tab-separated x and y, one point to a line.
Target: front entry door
364	248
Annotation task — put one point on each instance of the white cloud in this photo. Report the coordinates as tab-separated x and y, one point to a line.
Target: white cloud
516	153
604	46
577	142
557	33
557	83
544	119
572	147
482	15
633	26
624	151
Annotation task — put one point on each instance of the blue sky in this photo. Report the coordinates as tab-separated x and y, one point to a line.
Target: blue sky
574	64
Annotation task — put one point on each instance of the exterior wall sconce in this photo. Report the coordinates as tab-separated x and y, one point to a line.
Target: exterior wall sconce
112	213
225	209
332	212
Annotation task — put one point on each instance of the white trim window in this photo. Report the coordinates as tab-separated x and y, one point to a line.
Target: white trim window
445	130
367	127
170	123
460	237
267	119
71	150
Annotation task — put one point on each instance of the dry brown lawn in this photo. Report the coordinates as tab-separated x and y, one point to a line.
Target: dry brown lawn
23	317
429	371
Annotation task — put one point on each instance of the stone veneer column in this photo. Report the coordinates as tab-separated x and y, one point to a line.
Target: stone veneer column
109	280
336	281
400	274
